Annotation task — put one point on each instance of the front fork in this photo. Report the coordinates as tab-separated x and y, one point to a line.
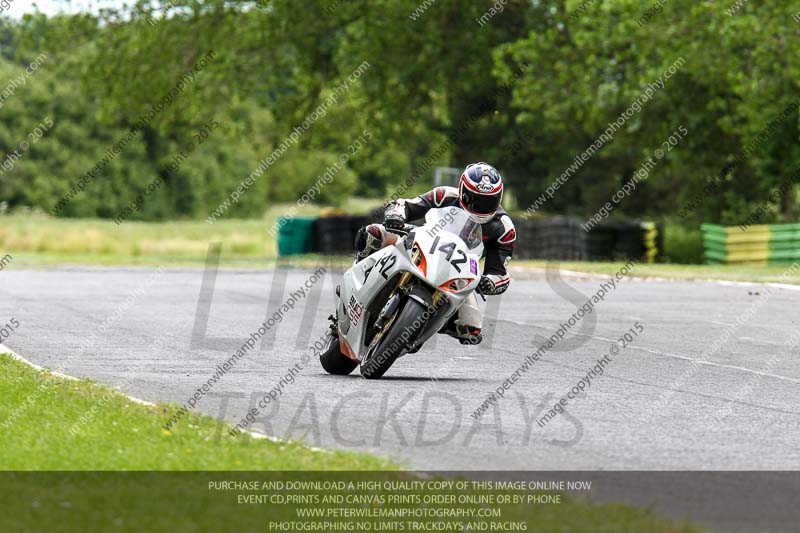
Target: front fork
402	288
389	311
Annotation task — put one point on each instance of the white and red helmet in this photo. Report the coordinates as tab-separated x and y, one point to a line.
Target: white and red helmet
480	191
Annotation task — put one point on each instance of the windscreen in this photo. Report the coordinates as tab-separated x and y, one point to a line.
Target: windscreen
456	221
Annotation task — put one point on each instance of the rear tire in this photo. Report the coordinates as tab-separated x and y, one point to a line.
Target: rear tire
392	346
334	361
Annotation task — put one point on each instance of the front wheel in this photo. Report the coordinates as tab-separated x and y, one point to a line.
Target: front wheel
334	361
407	327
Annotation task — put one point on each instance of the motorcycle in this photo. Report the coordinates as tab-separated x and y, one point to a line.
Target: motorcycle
391	302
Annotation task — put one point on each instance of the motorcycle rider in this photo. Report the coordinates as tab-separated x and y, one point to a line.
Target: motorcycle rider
479	193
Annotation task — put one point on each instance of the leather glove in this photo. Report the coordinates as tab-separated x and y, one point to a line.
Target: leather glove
394	221
486	286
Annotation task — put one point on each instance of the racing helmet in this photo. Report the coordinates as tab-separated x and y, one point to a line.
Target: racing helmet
480	191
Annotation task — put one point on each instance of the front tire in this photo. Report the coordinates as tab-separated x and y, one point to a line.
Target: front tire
408	325
334	361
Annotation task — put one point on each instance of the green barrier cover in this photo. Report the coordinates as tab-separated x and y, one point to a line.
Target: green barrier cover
296	236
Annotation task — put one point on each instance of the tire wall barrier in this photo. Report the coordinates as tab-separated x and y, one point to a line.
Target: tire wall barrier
335	235
564	239
556	238
766	243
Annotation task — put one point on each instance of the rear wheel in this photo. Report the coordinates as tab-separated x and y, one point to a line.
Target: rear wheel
334	361
405	328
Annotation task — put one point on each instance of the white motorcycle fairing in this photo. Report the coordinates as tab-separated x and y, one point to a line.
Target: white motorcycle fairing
436	265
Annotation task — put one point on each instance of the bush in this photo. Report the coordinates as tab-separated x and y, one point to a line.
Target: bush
682	244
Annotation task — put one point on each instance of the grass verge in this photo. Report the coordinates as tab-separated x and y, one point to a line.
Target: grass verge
119	434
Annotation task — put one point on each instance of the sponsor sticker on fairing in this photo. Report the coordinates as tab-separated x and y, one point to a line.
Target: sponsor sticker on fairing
473	266
354	311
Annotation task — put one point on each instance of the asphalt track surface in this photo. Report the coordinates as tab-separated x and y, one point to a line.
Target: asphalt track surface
672	400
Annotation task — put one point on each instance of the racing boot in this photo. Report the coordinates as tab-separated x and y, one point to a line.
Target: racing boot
465	334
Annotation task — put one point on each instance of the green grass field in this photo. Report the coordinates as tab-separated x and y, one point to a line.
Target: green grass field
36	240
40	239
120	434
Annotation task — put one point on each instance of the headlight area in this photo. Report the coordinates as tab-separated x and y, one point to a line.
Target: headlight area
456	284
418	258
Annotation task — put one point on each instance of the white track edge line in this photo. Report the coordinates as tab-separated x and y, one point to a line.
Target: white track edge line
676	356
596	275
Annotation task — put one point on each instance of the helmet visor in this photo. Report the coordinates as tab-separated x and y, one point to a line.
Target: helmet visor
481	204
